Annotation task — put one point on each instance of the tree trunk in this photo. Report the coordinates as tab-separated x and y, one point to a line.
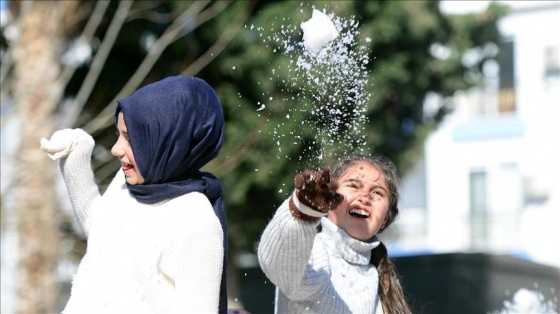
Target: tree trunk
36	90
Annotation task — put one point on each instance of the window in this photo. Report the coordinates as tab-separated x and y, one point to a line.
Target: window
498	94
506	93
478	209
552	62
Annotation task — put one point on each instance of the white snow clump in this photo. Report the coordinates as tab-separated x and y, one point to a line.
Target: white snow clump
318	32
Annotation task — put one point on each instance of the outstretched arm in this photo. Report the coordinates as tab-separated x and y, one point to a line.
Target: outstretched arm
285	249
73	148
286	244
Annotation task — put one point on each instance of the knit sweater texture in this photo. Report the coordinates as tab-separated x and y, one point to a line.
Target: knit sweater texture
143	258
325	272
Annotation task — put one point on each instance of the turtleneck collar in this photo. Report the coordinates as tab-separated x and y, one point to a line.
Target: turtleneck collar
350	249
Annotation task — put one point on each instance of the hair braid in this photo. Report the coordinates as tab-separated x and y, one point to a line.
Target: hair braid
390	290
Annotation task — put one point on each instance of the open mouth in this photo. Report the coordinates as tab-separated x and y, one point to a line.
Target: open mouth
359	213
127	168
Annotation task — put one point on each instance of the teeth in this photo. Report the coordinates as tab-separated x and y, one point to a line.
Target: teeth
360	212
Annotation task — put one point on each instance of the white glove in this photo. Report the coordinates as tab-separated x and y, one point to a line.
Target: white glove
65	141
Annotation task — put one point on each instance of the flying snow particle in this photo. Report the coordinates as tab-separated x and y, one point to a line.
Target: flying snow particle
328	74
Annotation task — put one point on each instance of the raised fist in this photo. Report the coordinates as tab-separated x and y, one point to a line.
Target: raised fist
316	190
64	142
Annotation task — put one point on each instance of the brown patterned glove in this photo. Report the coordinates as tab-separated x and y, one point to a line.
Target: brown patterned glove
315	194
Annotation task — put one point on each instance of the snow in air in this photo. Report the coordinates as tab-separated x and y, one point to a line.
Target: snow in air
328	74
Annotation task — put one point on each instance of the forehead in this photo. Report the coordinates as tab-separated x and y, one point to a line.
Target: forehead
364	171
120	121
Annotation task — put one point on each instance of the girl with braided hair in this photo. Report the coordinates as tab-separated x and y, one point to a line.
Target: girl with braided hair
157	237
344	267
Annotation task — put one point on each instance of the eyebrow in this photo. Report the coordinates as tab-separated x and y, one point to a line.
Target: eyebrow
376	185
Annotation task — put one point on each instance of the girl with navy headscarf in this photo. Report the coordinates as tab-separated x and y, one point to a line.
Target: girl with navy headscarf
157	238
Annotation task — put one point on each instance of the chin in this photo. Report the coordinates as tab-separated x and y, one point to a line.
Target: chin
360	237
366	237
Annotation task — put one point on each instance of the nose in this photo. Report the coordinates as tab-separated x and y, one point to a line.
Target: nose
117	151
365	198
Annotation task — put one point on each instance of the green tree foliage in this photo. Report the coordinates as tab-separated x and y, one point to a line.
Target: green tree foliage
257	172
404	68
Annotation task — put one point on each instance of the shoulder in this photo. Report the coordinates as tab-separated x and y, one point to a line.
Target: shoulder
192	200
193	207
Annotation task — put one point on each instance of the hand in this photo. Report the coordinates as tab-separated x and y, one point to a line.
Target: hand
65	141
317	190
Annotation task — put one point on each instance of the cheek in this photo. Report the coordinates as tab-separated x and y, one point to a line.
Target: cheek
347	195
347	198
384	213
130	155
133	160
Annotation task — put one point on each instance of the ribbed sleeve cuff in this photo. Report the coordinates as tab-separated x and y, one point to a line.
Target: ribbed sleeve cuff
302	211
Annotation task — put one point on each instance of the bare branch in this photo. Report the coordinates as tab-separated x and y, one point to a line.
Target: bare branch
104	118
232	161
226	163
98	62
211	12
146	13
87	35
220	44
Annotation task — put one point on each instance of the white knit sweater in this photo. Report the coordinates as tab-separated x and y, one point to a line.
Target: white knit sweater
326	272
164	258
159	258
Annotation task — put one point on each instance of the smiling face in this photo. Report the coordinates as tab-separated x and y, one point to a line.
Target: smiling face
123	151
366	201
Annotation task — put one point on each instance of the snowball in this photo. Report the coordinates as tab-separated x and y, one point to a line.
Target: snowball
318	32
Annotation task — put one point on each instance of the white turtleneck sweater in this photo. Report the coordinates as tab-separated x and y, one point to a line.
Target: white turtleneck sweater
326	272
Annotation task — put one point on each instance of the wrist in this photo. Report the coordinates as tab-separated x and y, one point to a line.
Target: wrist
302	211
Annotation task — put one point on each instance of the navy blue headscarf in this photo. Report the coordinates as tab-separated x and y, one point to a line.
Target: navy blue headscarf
176	126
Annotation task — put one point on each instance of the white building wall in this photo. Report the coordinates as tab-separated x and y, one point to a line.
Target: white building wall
519	152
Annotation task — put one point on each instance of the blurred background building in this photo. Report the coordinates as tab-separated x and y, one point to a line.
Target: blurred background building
487	181
480	211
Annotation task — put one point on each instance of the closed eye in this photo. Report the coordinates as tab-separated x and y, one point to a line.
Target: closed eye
352	183
124	134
